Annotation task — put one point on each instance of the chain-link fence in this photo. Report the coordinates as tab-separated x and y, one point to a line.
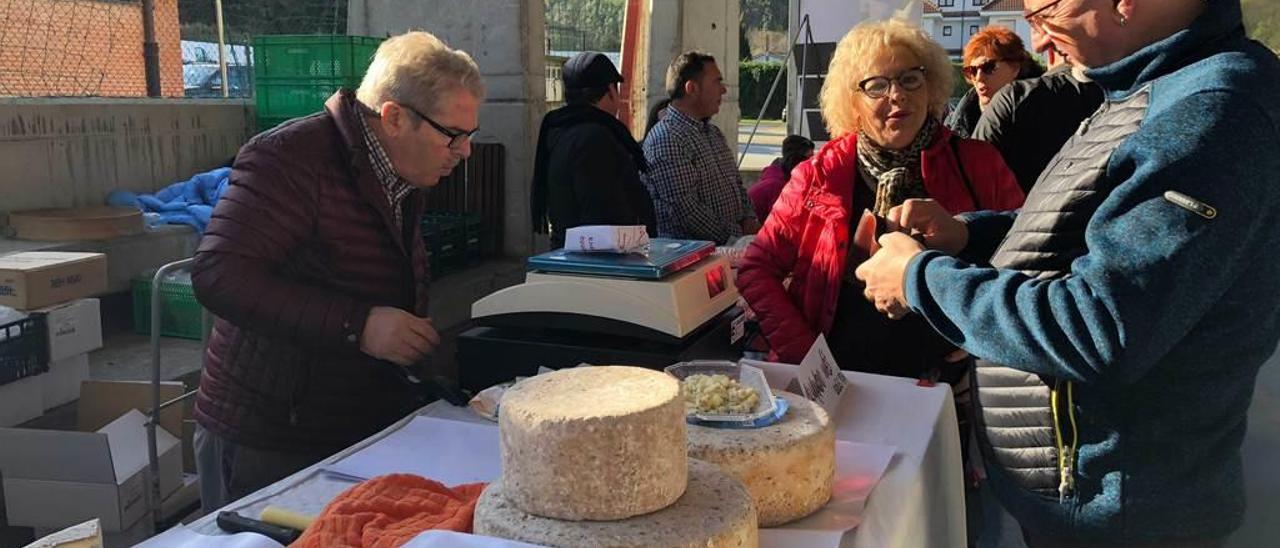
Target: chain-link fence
83	47
51	48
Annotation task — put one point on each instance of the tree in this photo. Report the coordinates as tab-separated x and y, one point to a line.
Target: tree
594	25
764	14
1262	18
254	17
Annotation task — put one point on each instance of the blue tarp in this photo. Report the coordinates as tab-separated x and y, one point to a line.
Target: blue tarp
189	202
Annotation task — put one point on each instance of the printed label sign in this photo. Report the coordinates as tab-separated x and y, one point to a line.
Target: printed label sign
820	377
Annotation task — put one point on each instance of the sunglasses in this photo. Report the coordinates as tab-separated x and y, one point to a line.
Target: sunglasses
876	87
455	135
973	71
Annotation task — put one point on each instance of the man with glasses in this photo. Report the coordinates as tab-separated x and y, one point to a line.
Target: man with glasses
587	167
693	178
1121	316
313	263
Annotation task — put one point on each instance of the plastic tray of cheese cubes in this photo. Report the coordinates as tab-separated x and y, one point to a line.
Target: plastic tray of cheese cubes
766	411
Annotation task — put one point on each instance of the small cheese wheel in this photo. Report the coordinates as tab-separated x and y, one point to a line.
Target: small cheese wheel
714	512
787	467
593	443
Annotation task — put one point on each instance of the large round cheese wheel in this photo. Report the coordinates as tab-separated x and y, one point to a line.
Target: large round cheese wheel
714	512
788	467
593	443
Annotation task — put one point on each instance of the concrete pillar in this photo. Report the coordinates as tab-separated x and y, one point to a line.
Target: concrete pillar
506	39
710	26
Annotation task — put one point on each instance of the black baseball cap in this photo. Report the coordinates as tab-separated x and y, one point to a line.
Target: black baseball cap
589	69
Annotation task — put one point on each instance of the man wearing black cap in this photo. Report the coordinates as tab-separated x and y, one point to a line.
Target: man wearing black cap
587	168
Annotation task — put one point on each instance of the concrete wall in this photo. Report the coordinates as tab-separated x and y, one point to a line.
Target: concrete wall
710	26
72	152
506	39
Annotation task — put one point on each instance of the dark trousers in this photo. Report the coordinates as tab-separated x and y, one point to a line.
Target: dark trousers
1036	541
229	471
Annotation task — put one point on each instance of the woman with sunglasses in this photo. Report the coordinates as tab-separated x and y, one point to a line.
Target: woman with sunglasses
882	100
993	59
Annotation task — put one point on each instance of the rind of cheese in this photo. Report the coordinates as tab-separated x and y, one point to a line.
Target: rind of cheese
593	443
84	535
715	512
788	467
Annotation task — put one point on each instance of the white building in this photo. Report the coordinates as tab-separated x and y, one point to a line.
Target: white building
953	22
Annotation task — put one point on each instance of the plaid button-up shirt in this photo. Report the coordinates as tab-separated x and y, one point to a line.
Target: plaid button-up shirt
396	188
693	179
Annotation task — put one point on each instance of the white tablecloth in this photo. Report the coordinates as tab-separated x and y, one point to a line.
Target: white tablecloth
918	503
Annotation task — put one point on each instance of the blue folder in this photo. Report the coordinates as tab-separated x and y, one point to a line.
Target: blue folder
665	257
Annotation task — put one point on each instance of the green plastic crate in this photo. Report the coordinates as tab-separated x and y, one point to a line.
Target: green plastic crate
292	98
313	56
180	313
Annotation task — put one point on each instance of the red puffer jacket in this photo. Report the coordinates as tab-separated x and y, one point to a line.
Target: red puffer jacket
300	247
806	237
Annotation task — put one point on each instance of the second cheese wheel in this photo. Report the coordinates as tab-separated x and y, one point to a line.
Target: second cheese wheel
715	512
593	443
787	467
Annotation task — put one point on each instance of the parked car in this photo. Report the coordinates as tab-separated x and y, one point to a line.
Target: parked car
205	80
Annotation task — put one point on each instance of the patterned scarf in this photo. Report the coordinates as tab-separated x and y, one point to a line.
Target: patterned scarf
895	173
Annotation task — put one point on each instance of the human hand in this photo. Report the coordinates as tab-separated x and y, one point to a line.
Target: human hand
397	336
883	273
940	230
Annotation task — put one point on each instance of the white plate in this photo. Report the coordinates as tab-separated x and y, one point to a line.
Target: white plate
744	374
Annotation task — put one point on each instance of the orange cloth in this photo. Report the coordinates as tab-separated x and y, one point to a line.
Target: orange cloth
390	510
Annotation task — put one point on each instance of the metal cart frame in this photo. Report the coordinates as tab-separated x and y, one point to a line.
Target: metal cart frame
155	500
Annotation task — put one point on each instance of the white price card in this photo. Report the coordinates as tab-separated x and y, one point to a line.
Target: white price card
820	377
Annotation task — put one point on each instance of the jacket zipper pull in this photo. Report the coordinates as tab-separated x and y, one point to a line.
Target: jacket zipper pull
1065	482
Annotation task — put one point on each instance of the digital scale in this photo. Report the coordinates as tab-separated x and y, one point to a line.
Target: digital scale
674	303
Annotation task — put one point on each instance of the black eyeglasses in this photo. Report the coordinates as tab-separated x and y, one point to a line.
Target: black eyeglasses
876	87
455	135
973	71
1036	18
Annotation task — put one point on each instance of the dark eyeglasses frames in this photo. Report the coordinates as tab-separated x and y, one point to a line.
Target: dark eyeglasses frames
1036	18
455	135
877	87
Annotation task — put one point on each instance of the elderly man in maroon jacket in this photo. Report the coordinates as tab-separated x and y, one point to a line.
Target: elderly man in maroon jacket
315	267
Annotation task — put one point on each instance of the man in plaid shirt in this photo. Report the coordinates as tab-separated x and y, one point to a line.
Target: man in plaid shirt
697	191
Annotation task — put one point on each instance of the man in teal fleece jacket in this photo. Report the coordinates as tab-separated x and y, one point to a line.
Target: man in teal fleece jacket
1139	286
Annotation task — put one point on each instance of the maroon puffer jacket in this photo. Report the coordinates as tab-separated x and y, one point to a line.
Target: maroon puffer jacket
300	247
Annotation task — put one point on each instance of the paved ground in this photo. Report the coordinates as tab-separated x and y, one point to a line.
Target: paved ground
766	146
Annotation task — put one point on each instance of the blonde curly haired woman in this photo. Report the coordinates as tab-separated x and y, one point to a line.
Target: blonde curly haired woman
882	101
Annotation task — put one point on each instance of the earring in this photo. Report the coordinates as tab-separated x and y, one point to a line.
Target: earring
1122	20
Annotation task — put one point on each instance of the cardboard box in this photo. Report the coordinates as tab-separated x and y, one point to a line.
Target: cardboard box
102	400
54	479
61	383
36	279
21	401
74	328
